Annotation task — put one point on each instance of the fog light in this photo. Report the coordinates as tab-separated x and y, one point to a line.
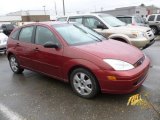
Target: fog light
113	78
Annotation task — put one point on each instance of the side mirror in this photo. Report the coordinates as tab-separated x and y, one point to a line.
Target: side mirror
100	26
51	45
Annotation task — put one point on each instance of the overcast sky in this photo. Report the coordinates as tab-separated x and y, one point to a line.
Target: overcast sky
7	6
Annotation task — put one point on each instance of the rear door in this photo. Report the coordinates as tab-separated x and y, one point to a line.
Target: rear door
151	19
47	60
157	22
24	46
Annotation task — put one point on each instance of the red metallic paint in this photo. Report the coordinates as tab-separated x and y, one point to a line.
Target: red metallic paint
58	62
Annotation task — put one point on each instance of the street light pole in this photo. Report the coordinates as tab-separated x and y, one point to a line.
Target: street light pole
63	8
44	9
55	6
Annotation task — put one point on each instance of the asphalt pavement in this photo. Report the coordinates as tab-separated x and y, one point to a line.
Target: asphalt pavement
33	96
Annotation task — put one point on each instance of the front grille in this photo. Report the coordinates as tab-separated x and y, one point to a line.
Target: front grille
139	62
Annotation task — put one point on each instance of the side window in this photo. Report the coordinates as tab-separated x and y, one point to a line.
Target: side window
151	18
44	35
158	18
78	20
62	19
14	35
91	22
26	34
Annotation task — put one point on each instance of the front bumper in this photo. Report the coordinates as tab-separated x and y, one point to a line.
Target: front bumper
127	81
2	48
149	44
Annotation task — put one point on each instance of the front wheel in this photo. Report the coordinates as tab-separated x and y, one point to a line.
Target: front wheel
15	65
84	83
154	30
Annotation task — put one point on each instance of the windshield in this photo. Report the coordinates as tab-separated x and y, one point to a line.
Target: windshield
112	21
75	34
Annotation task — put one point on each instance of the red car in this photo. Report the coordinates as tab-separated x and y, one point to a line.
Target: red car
78	55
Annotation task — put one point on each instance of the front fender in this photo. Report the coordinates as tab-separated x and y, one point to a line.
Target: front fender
121	36
78	63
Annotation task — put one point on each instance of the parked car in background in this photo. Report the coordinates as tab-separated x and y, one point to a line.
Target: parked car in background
3	42
62	19
113	28
133	20
76	54
7	28
154	22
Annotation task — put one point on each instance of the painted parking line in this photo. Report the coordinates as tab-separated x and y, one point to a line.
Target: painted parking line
9	114
156	67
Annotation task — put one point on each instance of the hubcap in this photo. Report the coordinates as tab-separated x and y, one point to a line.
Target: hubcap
14	64
154	30
82	83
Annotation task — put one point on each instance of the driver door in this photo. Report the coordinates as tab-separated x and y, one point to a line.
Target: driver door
47	60
93	23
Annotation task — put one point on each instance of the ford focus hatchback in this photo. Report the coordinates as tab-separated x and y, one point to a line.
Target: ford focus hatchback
73	53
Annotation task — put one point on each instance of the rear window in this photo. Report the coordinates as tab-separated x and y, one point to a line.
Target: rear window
26	34
158	18
15	34
78	20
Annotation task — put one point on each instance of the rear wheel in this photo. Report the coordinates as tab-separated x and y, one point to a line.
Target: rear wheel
154	30
15	65
84	83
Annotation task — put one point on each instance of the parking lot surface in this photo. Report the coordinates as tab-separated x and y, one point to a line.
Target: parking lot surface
33	96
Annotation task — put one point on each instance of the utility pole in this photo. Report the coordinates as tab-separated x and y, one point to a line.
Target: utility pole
55	6
63	8
44	9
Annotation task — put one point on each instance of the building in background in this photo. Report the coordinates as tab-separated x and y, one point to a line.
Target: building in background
132	10
141	10
32	15
10	19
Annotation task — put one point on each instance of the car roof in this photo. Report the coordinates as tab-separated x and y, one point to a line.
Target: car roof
88	14
49	23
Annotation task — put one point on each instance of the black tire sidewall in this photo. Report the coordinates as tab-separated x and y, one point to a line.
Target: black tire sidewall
95	85
156	32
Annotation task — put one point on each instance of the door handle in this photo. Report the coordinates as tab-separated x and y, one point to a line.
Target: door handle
17	44
36	49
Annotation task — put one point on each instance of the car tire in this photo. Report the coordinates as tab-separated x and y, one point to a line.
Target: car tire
15	67
154	29
84	83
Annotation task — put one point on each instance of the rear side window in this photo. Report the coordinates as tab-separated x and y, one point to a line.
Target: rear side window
62	19
78	20
15	34
44	35
151	18
158	18
26	34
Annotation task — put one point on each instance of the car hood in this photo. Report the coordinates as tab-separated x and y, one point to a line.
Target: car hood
3	36
112	49
130	28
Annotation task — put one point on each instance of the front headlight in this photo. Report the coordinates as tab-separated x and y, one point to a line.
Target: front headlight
136	34
118	64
